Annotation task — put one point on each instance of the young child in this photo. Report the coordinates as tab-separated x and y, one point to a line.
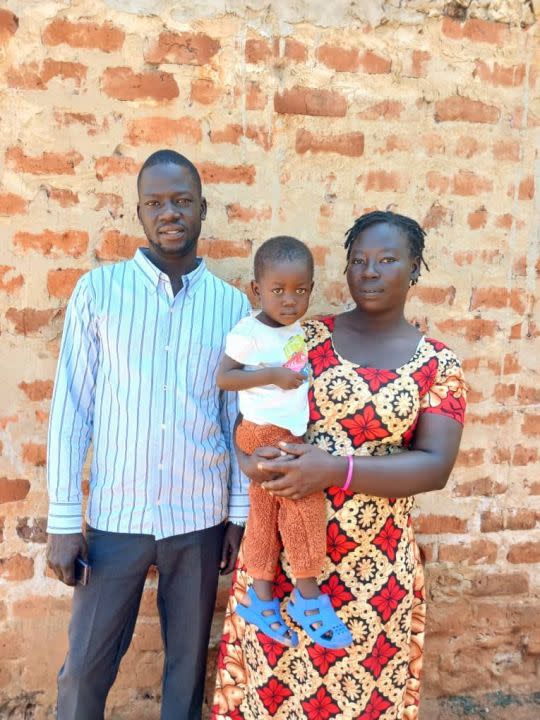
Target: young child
266	361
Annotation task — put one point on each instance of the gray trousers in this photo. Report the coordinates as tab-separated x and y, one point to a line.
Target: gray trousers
105	612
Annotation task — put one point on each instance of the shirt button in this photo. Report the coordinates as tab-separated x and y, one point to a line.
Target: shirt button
167	348
163	427
164	387
160	466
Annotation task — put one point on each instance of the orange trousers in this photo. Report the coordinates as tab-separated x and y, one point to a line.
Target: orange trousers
299	526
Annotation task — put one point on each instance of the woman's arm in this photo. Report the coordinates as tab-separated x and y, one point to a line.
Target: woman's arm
232	376
425	467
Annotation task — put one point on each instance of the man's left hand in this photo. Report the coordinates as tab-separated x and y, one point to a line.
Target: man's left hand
231	546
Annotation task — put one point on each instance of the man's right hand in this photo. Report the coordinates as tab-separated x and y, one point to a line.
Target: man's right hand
62	551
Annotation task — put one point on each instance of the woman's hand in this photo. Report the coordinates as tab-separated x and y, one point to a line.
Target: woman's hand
249	464
305	470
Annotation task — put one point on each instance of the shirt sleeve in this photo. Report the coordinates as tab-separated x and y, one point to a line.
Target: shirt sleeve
72	411
238	482
240	345
447	395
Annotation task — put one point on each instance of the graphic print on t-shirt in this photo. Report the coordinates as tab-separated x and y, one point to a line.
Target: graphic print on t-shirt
296	353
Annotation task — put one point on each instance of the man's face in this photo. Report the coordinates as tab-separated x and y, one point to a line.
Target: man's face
170	209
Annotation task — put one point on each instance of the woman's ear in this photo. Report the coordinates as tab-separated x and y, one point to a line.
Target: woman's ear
415	271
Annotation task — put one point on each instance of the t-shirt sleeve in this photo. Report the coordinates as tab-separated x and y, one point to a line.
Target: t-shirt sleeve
447	395
240	345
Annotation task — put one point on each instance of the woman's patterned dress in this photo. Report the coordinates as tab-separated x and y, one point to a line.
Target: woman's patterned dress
373	572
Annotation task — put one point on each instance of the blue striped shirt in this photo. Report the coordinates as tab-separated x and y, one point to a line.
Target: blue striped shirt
137	376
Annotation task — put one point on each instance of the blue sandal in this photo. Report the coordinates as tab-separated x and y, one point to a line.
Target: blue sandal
265	613
318	619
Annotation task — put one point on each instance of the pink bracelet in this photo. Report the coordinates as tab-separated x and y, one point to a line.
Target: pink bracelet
349	473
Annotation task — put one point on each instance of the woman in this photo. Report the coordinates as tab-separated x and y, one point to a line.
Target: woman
386	414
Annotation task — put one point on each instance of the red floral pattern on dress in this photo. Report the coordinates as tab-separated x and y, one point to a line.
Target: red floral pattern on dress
426	375
375	377
437	344
273	695
364	426
381	654
320	706
388	598
282	585
322	357
323	658
377	704
451	406
388	539
338	592
338	544
271	648
314	413
337	496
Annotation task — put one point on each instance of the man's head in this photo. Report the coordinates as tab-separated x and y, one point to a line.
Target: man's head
170	207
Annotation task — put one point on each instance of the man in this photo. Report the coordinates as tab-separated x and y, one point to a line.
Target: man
136	374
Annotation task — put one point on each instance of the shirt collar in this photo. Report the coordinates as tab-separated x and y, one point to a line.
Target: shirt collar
152	275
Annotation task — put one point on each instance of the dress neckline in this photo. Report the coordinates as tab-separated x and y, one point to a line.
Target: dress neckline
372	367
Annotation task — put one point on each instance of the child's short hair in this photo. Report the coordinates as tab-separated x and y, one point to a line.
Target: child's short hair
280	249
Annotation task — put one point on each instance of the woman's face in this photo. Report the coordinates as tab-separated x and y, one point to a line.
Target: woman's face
381	268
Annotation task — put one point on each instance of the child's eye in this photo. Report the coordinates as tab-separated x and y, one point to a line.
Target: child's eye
277	291
301	291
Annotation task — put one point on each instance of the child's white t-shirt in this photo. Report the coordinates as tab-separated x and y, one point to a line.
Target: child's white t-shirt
256	346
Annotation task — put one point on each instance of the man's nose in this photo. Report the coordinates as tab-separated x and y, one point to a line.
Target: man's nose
169	209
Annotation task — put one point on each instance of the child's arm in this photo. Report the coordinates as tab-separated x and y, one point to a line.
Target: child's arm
232	376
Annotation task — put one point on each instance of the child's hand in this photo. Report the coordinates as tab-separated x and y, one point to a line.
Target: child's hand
287	379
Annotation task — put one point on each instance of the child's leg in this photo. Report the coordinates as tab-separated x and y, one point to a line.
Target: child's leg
302	525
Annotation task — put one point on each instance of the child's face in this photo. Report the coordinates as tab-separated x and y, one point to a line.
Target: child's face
283	291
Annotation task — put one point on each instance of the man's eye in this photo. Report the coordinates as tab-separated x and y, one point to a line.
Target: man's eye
151	203
183	201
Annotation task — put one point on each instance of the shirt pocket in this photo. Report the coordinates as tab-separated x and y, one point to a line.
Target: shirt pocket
202	369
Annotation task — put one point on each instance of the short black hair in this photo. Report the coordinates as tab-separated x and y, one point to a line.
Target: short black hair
170	157
414	233
281	248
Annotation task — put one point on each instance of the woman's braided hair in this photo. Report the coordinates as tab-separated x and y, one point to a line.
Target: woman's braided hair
414	233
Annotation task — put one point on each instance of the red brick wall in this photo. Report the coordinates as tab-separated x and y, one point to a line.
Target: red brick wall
296	127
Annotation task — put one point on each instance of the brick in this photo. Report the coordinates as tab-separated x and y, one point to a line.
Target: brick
498	75
238	213
470	458
472	553
521	519
529	395
115	166
500	455
467	183
387	109
260	135
163	131
524	455
70	242
37	77
484	256
374	64
492	521
385	181
395	143
467	146
182	49
496	584
255	98
214	173
480	487
89	36
222	249
434	295
231	134
48	163
16	568
37	390
35	606
437	182
123	84
9	282
258	50
32	529
349	144
11	204
476	30
111	202
60	282
310	101
64	197
526	188
29	320
118	246
463	109
506	150
295	50
419	62
436	524
527	552
497	297
338	58
34	454
477	219
436	216
9	24
493	418
531	425
204	91
13	490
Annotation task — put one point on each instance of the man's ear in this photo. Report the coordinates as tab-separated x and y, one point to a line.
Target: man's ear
204	208
139	212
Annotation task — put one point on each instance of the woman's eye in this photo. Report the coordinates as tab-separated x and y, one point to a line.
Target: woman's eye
356	261
388	259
